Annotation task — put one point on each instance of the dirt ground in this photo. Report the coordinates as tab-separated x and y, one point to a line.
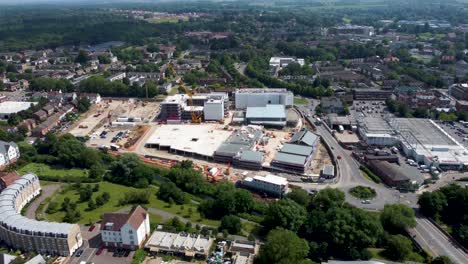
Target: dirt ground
321	159
99	114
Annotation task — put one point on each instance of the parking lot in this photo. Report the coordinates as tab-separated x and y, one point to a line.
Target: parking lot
456	130
93	250
368	109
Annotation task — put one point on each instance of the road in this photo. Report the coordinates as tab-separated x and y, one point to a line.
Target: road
47	191
437	243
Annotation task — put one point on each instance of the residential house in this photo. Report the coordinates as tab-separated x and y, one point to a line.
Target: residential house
9	153
8	178
124	230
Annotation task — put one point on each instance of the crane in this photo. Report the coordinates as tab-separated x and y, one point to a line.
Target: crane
196	117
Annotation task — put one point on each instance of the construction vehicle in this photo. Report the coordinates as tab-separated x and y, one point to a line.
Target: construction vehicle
196	117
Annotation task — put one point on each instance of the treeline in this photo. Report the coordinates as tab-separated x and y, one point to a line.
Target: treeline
448	205
257	69
99	84
324	226
402	110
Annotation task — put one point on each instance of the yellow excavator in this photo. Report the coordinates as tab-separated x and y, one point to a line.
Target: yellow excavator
196	117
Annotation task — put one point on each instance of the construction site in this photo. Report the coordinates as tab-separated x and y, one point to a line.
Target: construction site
201	127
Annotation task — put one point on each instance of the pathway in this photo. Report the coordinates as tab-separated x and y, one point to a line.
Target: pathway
47	191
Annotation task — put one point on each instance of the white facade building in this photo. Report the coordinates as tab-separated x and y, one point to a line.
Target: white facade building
9	153
213	110
270	184
282	62
261	97
125	230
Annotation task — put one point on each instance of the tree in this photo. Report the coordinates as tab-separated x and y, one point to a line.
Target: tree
328	198
243	201
83	104
286	214
283	247
82	57
432	203
96	171
91	204
85	193
441	260
169	190
300	196
398	247
396	218
231	223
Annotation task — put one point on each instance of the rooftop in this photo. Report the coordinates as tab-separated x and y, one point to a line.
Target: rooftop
300	150
272	179
290	158
267	112
10	107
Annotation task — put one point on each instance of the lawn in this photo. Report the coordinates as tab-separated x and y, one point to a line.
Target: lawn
46	172
116	193
300	101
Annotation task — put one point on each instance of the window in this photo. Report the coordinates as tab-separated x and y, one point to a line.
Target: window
130	231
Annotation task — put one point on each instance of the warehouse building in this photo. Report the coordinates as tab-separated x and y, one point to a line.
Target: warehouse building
253	97
420	139
390	174
243	139
249	160
26	234
272	185
269	115
305	138
8	108
189	140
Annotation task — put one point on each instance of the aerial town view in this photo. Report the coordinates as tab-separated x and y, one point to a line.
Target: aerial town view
234	132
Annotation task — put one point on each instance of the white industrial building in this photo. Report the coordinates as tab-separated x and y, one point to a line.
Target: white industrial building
213	110
253	97
8	108
420	139
270	184
282	62
178	107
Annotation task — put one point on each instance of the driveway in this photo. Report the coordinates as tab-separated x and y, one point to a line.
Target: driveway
47	191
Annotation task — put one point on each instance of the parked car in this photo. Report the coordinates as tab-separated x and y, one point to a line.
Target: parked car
91	228
79	253
99	251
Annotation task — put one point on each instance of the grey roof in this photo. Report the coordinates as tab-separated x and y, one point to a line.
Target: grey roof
328	170
297	150
267	112
290	158
6	258
38	259
304	136
251	156
230	149
4	146
327	102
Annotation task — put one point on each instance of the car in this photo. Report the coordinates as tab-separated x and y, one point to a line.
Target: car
338	157
127	252
99	251
91	228
79	253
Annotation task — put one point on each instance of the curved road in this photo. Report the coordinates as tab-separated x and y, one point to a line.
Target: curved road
47	191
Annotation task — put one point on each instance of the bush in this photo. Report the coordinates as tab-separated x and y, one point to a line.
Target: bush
363	192
372	175
231	223
135	197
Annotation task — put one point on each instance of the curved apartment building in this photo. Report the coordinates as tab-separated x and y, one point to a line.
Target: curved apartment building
27	234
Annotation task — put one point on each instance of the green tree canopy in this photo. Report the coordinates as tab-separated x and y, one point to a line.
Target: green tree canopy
283	247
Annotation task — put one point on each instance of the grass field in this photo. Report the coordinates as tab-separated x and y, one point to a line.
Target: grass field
300	101
116	193
46	172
